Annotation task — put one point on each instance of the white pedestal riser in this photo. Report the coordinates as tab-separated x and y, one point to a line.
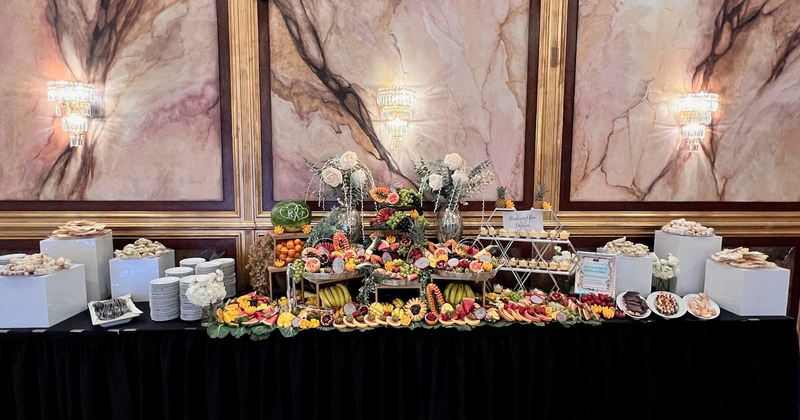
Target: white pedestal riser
634	273
692	253
748	291
42	301
93	253
132	276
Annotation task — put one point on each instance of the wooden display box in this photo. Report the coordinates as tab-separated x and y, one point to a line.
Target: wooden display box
274	241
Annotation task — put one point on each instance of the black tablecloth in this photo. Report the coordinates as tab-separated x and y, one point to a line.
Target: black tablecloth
682	368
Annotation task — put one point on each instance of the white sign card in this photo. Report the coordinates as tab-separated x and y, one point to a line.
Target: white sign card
523	220
596	273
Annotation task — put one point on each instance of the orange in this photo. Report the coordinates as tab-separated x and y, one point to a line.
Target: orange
298	241
290	260
291	253
298	248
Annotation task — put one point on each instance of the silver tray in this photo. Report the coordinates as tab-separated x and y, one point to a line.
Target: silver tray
397	282
330	276
484	275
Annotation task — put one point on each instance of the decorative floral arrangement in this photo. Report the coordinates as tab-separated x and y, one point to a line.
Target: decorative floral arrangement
346	176
449	181
665	268
206	289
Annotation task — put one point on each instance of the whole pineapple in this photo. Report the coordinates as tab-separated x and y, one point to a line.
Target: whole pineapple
538	197
500	203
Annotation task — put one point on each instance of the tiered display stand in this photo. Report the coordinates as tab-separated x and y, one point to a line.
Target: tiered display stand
541	247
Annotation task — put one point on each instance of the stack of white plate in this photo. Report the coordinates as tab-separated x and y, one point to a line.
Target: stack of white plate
191	262
207	267
189	311
228	267
179	272
164	298
6	259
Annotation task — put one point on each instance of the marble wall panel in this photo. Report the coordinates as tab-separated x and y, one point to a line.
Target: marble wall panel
467	62
634	57
156	133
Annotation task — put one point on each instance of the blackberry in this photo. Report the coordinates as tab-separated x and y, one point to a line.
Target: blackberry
405	224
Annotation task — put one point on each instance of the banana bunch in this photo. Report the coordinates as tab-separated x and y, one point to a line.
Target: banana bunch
334	296
398	313
455	292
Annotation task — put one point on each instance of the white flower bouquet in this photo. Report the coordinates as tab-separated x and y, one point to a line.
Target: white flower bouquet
448	181
206	289
665	268
346	176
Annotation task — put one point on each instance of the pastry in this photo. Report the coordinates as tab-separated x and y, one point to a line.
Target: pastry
563	265
553	265
564	235
484	231
523	263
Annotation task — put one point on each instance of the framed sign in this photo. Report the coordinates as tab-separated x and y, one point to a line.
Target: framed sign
523	220
596	273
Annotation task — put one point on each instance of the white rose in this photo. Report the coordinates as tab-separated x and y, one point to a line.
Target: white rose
358	178
453	161
348	161
435	181
458	178
332	176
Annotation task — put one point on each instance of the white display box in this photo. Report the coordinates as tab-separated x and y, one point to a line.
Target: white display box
748	291
94	253
132	276
634	273
692	253
42	301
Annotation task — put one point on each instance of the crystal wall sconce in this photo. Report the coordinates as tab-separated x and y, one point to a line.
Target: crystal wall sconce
694	111
73	101
396	105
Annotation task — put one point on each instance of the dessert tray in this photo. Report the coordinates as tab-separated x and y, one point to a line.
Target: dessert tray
701	306
667	305
621	302
110	312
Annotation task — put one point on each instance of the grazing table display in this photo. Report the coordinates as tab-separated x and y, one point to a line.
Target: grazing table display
619	369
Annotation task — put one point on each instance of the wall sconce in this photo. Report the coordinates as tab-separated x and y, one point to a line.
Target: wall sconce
396	105
74	106
695	111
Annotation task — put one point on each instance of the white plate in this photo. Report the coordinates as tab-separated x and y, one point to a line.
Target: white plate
651	302
621	305
688	298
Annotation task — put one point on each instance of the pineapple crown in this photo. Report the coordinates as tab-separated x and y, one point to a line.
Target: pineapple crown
501	192
541	190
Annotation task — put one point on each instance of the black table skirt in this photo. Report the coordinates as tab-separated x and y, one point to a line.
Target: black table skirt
622	369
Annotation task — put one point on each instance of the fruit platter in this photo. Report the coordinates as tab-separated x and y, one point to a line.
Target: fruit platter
464	262
667	305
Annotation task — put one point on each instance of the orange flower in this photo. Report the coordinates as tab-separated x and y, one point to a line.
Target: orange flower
307	229
391	239
413	214
279	230
304	323
546	205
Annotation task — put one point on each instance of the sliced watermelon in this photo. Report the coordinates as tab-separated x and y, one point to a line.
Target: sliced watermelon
468	303
250	322
271	320
412	276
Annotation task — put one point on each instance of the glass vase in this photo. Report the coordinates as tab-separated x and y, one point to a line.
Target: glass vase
662	285
208	315
351	224
449	224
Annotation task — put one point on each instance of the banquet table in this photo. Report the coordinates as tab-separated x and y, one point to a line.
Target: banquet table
684	368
